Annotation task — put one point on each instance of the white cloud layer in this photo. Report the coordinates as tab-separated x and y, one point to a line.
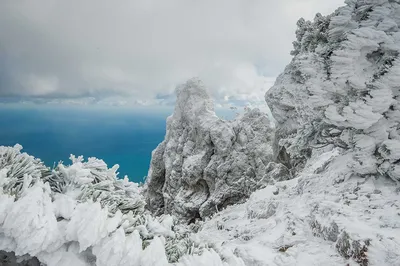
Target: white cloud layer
143	49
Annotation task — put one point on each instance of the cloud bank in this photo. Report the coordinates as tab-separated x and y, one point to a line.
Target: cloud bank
140	50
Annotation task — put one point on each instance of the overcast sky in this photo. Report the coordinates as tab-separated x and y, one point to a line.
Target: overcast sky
141	50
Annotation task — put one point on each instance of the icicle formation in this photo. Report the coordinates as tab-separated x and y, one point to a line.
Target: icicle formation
342	87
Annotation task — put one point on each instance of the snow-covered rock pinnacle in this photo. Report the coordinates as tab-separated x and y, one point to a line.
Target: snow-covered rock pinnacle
205	163
342	88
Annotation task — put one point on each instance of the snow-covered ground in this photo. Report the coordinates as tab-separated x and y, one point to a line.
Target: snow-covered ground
325	216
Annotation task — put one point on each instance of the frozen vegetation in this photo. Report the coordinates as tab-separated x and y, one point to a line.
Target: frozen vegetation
82	214
321	187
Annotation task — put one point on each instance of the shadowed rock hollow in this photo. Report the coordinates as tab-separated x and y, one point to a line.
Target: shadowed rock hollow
9	259
206	163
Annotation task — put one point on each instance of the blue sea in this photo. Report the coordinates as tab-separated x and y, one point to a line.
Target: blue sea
116	135
120	136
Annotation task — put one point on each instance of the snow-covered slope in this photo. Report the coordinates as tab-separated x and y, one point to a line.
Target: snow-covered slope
206	163
324	216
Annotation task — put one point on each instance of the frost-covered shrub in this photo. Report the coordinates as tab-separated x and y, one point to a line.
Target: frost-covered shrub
83	214
355	249
94	181
310	35
19	170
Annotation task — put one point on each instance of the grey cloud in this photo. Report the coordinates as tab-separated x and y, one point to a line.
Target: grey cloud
141	49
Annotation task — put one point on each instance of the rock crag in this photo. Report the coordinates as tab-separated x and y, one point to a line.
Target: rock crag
206	163
342	88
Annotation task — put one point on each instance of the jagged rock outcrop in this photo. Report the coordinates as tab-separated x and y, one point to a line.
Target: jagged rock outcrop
341	94
206	163
342	88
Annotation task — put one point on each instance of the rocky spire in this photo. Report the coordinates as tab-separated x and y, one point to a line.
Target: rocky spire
206	163
342	88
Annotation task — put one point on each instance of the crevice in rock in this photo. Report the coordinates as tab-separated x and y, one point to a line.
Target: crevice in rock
9	259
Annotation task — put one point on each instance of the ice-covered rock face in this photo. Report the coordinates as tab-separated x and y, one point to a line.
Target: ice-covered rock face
342	88
206	163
